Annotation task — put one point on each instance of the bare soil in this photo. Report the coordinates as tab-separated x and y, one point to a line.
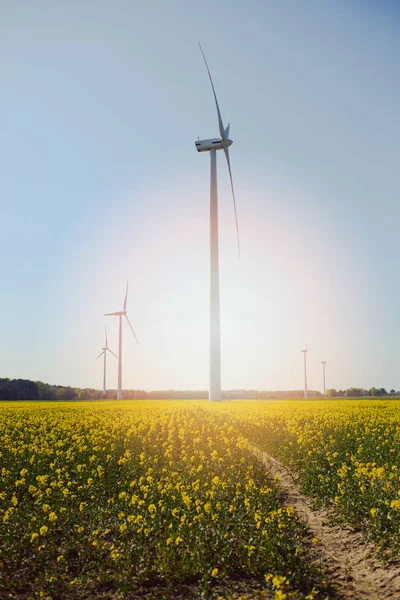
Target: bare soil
349	561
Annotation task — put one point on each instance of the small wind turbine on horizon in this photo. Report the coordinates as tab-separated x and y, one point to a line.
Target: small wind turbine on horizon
120	314
211	146
104	354
305	370
323	363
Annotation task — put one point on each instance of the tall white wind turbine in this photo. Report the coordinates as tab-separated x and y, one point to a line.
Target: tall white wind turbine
211	146
104	354
120	314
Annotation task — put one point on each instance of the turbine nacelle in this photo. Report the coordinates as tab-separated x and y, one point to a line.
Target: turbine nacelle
221	143
123	313
212	144
105	350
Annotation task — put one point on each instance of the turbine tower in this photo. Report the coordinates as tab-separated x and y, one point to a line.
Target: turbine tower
211	146
120	314
104	354
323	363
305	370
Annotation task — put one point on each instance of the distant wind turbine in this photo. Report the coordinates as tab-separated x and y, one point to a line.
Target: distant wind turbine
104	354
305	371
211	146
323	363
120	314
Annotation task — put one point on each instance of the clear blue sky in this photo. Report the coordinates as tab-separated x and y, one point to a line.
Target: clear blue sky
100	105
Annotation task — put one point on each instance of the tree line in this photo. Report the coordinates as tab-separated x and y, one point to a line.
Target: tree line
354	392
24	389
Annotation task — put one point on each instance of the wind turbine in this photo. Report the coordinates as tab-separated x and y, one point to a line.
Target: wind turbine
323	363
120	314
305	371
104	354
211	146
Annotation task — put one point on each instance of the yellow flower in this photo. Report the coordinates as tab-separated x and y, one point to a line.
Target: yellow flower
279	581
395	504
43	530
52	517
214	572
34	536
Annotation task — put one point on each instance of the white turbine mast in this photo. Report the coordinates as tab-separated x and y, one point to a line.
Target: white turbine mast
211	146
323	363
104	354
120	314
305	370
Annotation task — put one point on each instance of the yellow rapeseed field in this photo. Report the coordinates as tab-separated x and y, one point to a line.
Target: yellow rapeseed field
105	498
346	453
113	496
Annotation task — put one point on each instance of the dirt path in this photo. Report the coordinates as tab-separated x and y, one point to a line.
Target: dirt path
345	556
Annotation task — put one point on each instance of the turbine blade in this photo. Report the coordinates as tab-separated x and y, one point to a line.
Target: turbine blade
226	150
101	354
126	297
130	325
221	125
227	130
106	337
111	314
112	352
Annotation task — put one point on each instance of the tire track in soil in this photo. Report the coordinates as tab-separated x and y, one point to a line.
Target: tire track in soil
345	556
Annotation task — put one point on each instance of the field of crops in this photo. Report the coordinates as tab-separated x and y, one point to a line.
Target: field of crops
137	499
345	454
